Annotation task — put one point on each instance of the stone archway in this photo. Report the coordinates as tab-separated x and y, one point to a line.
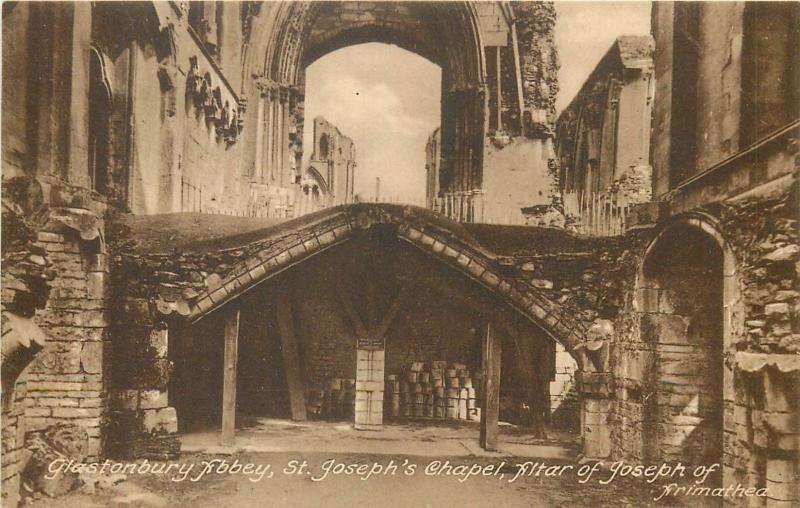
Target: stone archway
424	230
441	242
688	297
286	37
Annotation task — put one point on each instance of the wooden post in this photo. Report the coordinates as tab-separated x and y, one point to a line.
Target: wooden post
529	364
291	360
490	410
229	377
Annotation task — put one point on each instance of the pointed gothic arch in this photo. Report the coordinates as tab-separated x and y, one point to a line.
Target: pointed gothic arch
440	239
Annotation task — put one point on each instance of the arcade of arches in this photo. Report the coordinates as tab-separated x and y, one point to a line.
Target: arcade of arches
156	255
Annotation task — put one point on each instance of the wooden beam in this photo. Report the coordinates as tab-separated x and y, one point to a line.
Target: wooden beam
291	359
381	328
537	388
350	310
529	364
491	348
229	377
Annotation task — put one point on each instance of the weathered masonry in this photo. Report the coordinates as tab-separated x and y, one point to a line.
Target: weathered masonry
603	140
188	107
195	107
329	179
347	293
136	297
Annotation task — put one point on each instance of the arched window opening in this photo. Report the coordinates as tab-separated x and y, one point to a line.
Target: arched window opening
324	150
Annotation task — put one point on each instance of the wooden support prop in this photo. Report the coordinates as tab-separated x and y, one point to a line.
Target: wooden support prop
530	365
229	377
490	412
350	310
291	360
379	332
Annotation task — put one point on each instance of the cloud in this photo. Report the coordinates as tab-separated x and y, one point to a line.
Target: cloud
388	101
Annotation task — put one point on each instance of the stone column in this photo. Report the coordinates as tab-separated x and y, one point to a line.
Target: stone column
595	390
269	138
283	137
781	430
143	425
258	170
369	385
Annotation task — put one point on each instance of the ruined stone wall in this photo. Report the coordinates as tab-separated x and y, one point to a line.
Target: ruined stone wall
185	126
144	65
603	140
67	381
433	149
13	443
539	60
517	171
759	336
336	153
721	86
765	407
748	206
518	157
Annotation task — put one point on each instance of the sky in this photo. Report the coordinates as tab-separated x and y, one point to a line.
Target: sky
585	31
388	99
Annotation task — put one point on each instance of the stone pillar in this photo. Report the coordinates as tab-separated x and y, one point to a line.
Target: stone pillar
269	138
79	98
259	157
142	423
283	137
781	424
369	386
230	51
595	390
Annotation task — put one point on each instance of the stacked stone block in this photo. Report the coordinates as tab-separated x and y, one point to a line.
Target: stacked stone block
433	391
66	383
369	388
13	439
143	423
596	409
337	401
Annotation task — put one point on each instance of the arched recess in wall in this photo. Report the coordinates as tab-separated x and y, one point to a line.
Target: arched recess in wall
288	36
687	292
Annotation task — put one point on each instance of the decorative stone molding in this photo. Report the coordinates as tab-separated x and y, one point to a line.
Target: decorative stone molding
756	362
219	108
339	226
